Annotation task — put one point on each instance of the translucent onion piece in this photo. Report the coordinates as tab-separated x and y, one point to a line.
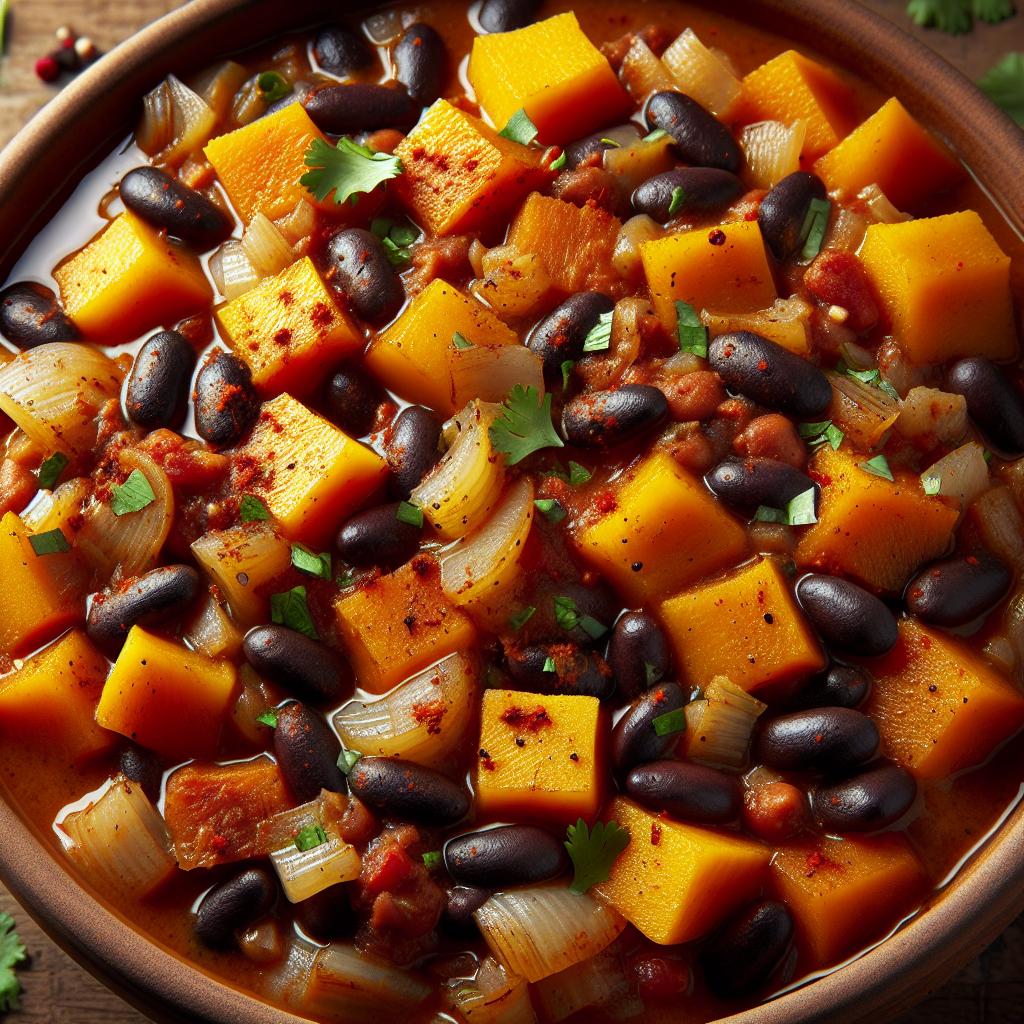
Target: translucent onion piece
602	369
856	356
175	122
59	509
494	997
633	233
862	412
217	86
304	873
882	210
513	284
702	74
719	727
460	492
121	840
255	699
539	931
422	719
999	651
772	150
280	830
266	247
962	474
786	323
930	413
54	393
211	631
846	231
384	27
593	983
1000	524
635	160
643	73
232	270
262	943
489	373
298	224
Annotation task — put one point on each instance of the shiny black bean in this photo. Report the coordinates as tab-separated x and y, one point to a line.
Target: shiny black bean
340	51
364	274
360	107
143	767
958	590
692	792
602	419
638	653
225	402
598	142
700	138
309	669
840	686
377	537
167	204
235	904
30	315
147	600
561	334
993	402
421	63
871	800
408	791
577	672
823	739
508	855
157	392
462	902
847	617
783	211
635	738
327	915
750	947
506	15
307	753
686	190
768	374
412	448
754	482
352	398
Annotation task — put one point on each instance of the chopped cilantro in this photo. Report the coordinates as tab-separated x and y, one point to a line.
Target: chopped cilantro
345	581
952	16
593	852
549	665
432	860
798	512
347	760
567	617
272	86
611	143
521	618
878	466
578	474
669	723
676	202
461	341
693	335
346	170
252	510
524	425
291	609
311	564
1004	85
552	509
131	496
812	233
12	953
599	337
410	514
567	365
656	136
53	542
310	837
560	161
51	469
268	718
931	484
519	128
874	378
396	239
818	434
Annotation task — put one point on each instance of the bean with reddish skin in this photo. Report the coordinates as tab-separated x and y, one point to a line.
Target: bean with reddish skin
30	315
508	855
363	273
840	686
775	811
577	672
352	398
412	448
157	392
993	402
698	136
871	800
958	590
638	653
408	791
783	211
303	666
234	905
377	537
635	739
169	205
307	753
771	436
506	15
823	739
360	107
421	63
838	278
692	792
747	951
143	767
751	483
603	419
340	51
847	617
703	189
463	901
226	404
561	334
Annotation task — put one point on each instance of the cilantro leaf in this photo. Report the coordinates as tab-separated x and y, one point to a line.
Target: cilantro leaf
252	510
310	837
268	718
549	665
311	564
950	16
461	341
292	610
12	953
656	136
560	161
432	859
675	204
552	509
878	466
346	170
692	334
567	365
818	434
1004	85
594	852
567	617
53	542
812	233
578	474
599	337
521	618
272	86
347	760
519	128
524	425
411	515
992	11
51	469
131	496
396	239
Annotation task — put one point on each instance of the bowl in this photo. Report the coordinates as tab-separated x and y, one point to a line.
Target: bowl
36	173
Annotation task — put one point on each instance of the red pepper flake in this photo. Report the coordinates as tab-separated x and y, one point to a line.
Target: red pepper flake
430	714
529	721
219	843
283	337
717	237
321	316
655	834
605	503
286	298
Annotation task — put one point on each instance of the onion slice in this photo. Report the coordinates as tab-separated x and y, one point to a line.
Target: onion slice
304	873
719	727
494	997
232	271
962	474
702	74
490	372
267	249
175	122
772	150
590	984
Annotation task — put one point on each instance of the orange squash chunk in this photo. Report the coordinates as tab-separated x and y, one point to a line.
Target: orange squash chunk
759	634
675	882
289	330
945	285
552	71
873	530
312	475
666	522
845	892
398	624
459	174
939	707
129	279
540	757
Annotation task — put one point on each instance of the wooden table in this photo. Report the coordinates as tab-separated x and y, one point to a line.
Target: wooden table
988	991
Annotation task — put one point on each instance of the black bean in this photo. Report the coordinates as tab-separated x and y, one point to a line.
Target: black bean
686	190
408	791
840	686
783	211
602	419
147	600
751	946
226	404
871	800
167	204
561	334
360	107
340	51
235	904
352	398
635	738
142	766
157	392
750	483
412	448
823	739
421	63
364	274
847	617
599	142
699	137
309	669
993	402
307	753
638	653
327	915
768	374
692	792
508	855
30	315
377	537
958	590
462	902
576	672
506	15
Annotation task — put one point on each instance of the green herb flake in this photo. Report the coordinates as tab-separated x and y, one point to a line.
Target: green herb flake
692	334
578	474
952	16
310	563
670	723
767	514
565	613
291	609
594	629
272	86
51	469
656	136
566	367
593	852
551	508
524	425
560	161
676	202
599	337
521	618
818	434
345	581
549	665
931	484
432	860
874	378
461	341
12	953
611	143
252	510
651	673
403	234
801	509
347	170
519	128
131	496
812	233
409	514
268	718
309	837
53	542
878	466
347	760
1004	85
397	256
992	11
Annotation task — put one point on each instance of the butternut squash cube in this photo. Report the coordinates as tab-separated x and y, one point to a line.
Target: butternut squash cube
791	87
540	757
396	625
730	276
415	356
746	626
552	71
53	698
873	530
945	285
460	175
166	697
843	893
676	882
128	280
939	707
289	330
890	150
665	523
313	474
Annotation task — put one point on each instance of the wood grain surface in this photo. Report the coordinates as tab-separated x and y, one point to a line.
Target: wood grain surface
57	991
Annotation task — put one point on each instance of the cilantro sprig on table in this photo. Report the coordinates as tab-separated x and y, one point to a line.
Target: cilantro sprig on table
524	425
957	16
593	852
12	953
1004	85
347	170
